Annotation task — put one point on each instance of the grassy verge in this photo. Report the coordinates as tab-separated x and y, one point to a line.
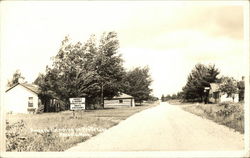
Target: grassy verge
60	131
226	113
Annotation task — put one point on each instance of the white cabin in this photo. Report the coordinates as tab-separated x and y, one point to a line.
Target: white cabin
22	98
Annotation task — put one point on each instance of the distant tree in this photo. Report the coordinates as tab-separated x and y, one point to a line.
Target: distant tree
153	98
200	77
137	82
162	98
168	97
174	96
15	78
228	86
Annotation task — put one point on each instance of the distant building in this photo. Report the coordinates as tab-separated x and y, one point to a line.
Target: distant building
215	95
22	98
122	100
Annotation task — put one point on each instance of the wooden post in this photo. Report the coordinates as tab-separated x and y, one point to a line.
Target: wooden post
102	99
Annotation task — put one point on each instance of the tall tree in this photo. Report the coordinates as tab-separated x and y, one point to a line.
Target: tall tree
84	69
109	66
137	82
200	77
15	78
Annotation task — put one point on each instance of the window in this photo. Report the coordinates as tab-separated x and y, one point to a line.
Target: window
120	101
30	102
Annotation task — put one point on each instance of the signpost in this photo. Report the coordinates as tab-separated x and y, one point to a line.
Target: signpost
77	104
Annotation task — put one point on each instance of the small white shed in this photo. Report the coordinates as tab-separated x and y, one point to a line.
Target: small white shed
22	98
216	96
122	100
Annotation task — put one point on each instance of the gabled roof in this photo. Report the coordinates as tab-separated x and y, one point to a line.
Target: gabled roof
215	87
122	96
32	87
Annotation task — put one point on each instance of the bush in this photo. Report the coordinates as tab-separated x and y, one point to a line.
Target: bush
226	113
14	140
225	104
229	109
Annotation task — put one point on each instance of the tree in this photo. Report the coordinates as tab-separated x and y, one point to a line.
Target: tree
162	98
180	95
15	78
228	86
109	66
168	97
153	98
200	77
137	82
174	96
84	70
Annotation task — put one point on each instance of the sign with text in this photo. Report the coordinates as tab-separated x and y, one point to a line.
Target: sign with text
77	103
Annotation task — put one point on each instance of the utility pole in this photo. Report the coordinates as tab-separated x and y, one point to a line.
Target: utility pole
102	99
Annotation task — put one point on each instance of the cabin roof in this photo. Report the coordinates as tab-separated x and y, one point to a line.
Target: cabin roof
32	87
122	96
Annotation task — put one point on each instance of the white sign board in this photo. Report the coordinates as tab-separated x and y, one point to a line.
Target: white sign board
77	103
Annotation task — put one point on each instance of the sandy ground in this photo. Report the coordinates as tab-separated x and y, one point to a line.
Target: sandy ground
164	128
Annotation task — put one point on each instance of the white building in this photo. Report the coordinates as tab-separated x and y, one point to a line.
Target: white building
22	98
216	96
122	100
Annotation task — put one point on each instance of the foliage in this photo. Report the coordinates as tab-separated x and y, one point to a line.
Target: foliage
136	83
226	113
15	141
224	104
108	65
228	86
153	98
15	78
200	77
173	96
228	109
83	69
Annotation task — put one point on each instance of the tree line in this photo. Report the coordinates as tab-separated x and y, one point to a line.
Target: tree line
198	82
93	69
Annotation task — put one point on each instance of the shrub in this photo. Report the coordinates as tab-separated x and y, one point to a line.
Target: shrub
14	140
225	104
226	113
228	109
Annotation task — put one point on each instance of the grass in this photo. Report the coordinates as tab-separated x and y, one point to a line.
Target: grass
60	131
225	113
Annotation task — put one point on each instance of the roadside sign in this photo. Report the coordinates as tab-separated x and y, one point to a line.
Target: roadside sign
77	103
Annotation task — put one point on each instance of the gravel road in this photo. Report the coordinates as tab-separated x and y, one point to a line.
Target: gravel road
164	128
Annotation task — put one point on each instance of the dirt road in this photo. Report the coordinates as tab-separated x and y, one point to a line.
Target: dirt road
164	128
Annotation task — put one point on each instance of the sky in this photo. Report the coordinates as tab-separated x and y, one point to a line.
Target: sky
168	37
